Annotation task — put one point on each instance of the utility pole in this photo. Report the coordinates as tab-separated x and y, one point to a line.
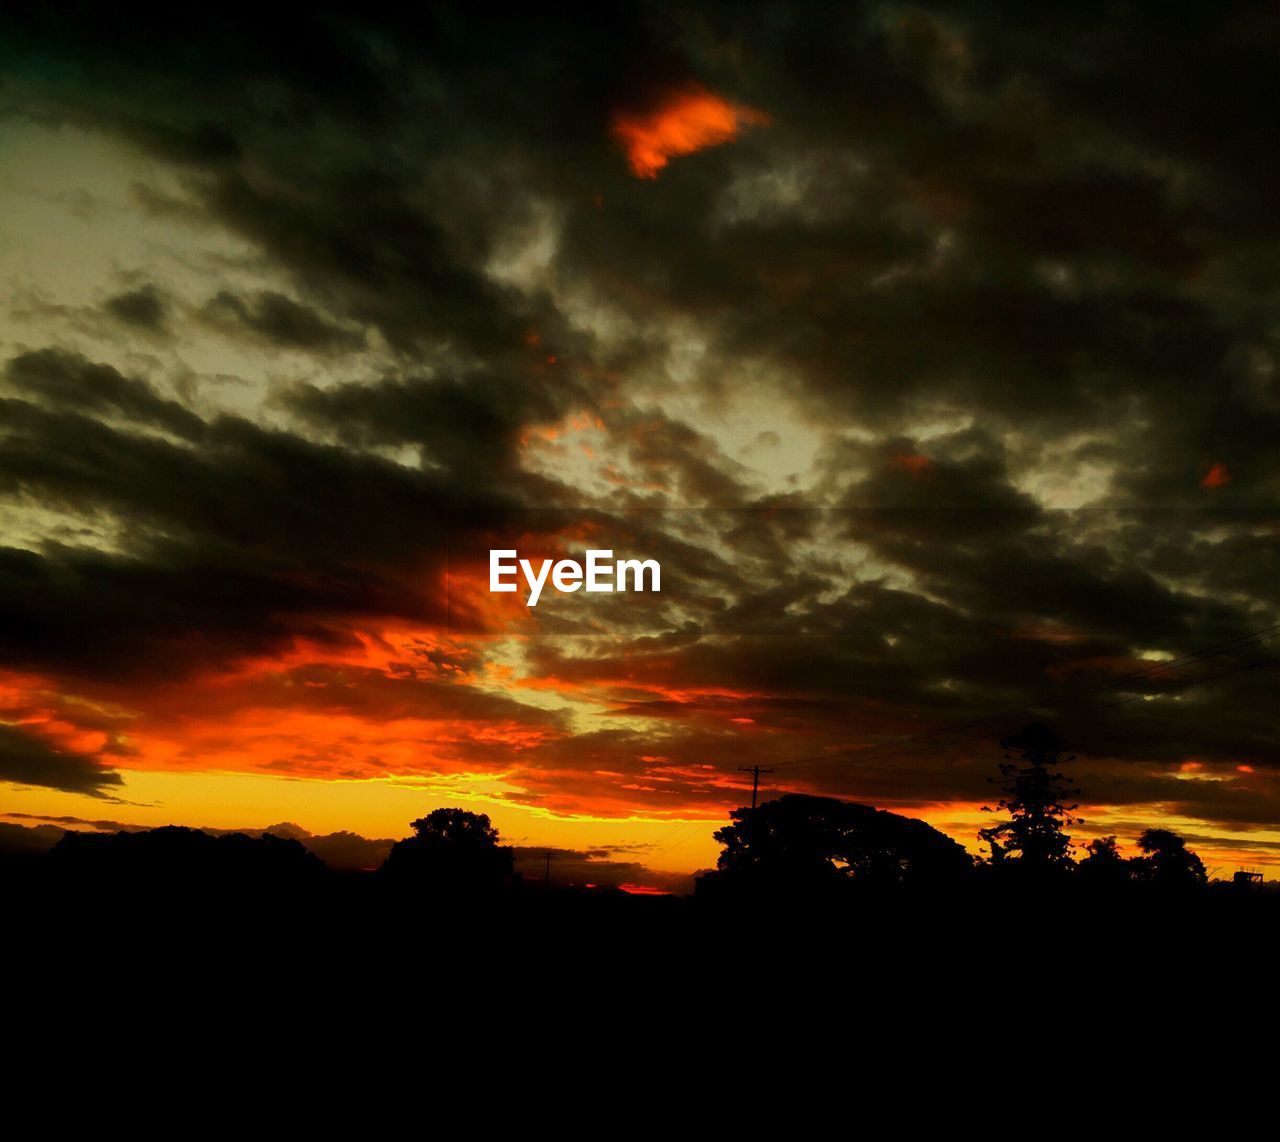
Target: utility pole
546	876
755	772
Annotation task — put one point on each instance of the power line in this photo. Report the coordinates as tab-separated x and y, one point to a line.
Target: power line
925	741
1078	714
1183	685
698	827
755	772
1153	694
1241	642
895	748
671	832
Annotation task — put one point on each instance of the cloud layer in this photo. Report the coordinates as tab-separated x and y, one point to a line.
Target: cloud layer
933	354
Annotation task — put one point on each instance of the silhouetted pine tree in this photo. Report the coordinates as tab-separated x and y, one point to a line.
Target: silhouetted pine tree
1034	795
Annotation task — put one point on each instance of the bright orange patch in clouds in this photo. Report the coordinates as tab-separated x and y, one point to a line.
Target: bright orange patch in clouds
685	122
1218	476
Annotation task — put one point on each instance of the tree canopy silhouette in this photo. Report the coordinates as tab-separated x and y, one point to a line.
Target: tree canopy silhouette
805	843
1103	867
452	851
1167	862
1034	791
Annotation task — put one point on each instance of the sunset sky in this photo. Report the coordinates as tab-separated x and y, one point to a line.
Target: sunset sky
933	356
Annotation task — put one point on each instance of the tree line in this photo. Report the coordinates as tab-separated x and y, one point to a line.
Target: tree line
794	846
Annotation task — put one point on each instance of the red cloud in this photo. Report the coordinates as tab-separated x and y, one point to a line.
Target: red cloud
1218	476
688	121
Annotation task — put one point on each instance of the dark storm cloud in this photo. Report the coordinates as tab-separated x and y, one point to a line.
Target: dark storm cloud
1058	232
1054	270
361	233
369	154
29	760
203	144
61	380
406	689
281	321
144	308
963	478
237	537
468	422
681	461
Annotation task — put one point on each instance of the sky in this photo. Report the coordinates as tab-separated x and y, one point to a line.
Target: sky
931	352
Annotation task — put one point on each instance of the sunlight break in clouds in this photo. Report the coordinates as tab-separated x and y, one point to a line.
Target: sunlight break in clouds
688	121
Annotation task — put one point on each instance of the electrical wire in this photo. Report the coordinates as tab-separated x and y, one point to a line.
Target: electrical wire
898	747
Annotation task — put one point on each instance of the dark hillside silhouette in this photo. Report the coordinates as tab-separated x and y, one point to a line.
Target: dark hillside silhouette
183	864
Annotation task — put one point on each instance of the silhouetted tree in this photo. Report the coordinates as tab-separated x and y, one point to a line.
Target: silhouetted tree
454	852
804	843
1103	867
1034	792
1167	862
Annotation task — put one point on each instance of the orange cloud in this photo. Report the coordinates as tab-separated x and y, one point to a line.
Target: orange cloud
1218	476
688	121
912	462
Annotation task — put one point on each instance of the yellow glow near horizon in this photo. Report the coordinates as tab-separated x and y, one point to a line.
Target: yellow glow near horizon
383	808
375	808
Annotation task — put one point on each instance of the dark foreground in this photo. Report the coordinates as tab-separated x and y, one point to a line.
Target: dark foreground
261	928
